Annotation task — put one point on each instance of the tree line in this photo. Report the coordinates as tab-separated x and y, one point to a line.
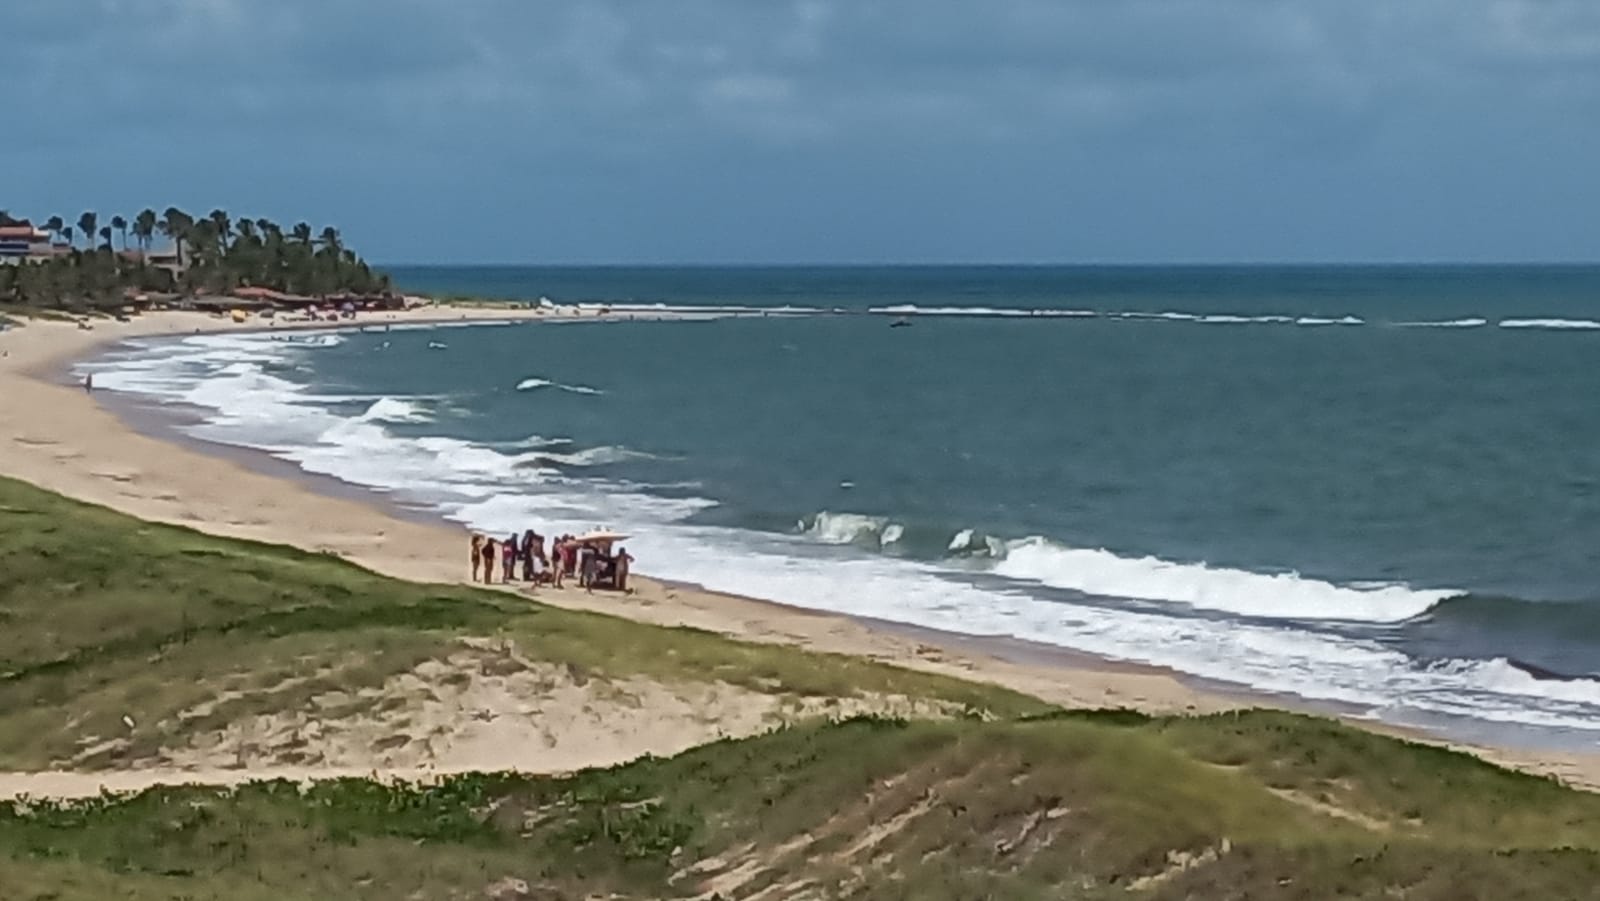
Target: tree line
213	254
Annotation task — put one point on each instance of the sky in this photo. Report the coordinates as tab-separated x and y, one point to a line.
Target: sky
808	131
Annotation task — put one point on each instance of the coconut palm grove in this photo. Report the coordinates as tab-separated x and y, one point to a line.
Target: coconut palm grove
97	263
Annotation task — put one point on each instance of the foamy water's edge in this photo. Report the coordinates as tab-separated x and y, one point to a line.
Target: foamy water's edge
1261	630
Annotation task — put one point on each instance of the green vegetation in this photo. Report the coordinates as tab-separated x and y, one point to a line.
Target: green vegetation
1072	808
103	616
212	255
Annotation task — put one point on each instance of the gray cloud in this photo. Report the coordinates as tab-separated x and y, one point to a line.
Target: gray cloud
791	70
609	93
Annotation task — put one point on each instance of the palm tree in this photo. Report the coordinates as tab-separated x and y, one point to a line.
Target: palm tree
88	225
144	228
302	233
66	234
175	224
105	235
121	225
53	225
330	239
224	225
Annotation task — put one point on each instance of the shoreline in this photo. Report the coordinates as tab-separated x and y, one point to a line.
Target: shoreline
61	438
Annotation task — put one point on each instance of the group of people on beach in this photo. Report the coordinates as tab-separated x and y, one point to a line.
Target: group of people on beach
590	561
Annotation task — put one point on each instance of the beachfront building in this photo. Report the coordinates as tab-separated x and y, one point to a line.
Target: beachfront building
21	241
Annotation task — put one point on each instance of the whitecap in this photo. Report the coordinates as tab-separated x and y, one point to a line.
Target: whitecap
1554	324
1278	596
535	383
1471	322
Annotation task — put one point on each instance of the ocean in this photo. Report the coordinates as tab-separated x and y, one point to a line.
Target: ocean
1373	487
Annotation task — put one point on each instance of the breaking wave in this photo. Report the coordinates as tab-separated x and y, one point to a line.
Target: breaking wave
389	409
1556	324
591	456
534	384
1285	596
910	309
851	528
1470	322
1200	585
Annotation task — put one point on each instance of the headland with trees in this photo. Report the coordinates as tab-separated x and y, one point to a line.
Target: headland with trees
99	264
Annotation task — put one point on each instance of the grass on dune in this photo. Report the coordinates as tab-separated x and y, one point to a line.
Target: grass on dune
103	616
877	809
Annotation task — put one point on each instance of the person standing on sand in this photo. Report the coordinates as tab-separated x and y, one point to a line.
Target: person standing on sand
527	555
508	553
487	552
476	554
88	383
621	562
558	561
588	564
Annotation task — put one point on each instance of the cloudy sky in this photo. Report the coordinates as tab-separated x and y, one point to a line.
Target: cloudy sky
826	130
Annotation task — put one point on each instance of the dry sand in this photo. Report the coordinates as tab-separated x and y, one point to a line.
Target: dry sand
56	436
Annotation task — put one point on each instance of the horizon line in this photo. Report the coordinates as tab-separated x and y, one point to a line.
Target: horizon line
1283	264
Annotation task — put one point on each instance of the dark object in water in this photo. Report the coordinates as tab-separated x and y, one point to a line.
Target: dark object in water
902	322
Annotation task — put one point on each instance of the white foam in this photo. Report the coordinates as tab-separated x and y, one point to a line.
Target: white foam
1471	322
535	383
1556	324
593	456
909	309
1281	657
536	442
844	528
686	310
1318	320
1501	676
390	409
1283	596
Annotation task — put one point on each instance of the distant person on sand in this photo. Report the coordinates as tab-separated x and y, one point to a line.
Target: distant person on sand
488	561
588	565
558	561
508	552
477	555
88	383
527	555
621	562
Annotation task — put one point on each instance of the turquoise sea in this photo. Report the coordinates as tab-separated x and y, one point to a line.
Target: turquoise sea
1377	487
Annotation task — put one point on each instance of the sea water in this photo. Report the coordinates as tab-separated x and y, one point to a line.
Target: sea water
1378	487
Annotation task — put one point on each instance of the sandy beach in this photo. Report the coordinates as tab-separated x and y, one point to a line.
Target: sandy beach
59	437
